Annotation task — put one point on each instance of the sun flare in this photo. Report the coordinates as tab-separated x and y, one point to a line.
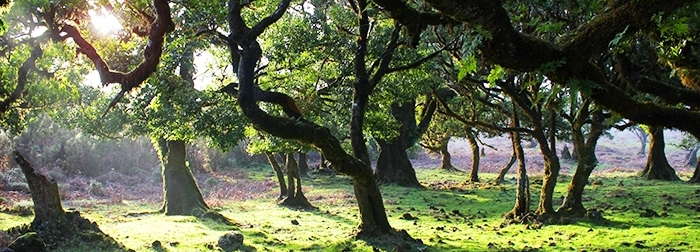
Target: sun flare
104	22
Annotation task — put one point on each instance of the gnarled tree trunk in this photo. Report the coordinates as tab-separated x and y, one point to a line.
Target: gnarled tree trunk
181	193
696	175
587	161
657	167
393	164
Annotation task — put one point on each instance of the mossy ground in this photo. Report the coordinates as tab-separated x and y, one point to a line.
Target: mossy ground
447	216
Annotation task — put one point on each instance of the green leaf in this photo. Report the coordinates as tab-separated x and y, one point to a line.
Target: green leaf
466	66
496	73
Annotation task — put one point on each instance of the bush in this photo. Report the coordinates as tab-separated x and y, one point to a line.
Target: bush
95	188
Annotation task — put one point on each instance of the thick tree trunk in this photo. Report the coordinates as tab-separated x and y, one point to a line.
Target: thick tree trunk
394	166
280	175
303	164
522	198
446	159
295	196
47	202
657	167
502	174
181	193
696	175
474	174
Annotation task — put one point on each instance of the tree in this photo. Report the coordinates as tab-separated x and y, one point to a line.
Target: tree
643	136
584	145
437	138
522	197
373	218
657	166
513	49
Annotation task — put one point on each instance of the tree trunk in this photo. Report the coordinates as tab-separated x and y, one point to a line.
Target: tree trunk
48	209
522	198
474	174
393	164
280	175
446	158
549	180
502	174
295	196
585	149
181	193
657	167
303	164
691	158
696	175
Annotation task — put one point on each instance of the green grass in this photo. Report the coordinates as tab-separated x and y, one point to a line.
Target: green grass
450	217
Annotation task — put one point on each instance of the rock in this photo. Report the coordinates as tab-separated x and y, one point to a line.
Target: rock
231	241
5	249
29	242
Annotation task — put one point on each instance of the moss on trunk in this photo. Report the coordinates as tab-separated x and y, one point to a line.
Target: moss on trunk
181	193
657	167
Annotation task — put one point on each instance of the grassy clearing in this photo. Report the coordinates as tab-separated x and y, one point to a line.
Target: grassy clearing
446	216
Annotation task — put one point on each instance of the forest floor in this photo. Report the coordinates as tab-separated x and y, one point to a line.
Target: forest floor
448	215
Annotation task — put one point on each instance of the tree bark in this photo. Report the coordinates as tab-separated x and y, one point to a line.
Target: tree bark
446	158
295	196
393	164
280	175
303	164
474	174
696	175
573	200
181	193
657	167
522	198
48	209
502	174
692	157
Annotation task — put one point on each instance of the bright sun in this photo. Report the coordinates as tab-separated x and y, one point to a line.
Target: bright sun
104	21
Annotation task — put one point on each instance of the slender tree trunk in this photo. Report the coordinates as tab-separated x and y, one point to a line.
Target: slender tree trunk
474	174
522	200
551	172
280	175
692	157
303	164
181	193
502	174
657	167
